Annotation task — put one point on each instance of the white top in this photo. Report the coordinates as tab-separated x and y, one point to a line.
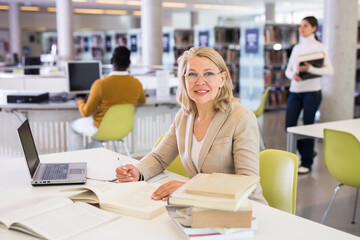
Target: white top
195	150
119	73
306	46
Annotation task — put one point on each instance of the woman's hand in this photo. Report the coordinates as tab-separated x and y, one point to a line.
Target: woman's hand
77	100
296	77
127	173
166	189
304	68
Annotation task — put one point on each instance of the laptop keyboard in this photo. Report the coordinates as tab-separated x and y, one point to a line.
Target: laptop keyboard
55	171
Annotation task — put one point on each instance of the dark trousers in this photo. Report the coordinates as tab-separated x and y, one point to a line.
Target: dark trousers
310	102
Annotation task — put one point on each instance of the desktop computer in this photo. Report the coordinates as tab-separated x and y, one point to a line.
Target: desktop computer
27	97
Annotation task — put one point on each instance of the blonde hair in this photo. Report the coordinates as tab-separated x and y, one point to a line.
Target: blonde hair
225	93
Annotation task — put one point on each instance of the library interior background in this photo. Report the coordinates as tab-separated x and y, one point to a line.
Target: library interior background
255	38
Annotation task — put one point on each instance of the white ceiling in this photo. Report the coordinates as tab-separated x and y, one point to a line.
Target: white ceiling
251	6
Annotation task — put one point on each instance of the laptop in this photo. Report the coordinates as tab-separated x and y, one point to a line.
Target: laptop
48	173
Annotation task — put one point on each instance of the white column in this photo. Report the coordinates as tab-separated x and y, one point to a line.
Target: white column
64	29
15	28
151	32
339	37
194	18
270	12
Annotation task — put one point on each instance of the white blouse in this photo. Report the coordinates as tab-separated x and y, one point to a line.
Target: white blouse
195	150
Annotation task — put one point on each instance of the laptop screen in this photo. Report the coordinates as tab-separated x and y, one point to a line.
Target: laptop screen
28	146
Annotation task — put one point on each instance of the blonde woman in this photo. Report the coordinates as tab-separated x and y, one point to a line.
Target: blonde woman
212	132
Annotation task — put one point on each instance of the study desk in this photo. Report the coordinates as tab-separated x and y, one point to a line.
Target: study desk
317	131
16	191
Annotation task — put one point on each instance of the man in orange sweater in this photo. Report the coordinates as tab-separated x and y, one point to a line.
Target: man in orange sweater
116	88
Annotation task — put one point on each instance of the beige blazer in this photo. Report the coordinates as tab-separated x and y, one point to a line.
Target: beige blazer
231	146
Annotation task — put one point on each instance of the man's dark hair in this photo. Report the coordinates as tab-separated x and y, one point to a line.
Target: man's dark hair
121	58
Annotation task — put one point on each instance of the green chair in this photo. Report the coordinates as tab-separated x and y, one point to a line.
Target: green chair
117	123
278	178
259	112
342	159
176	166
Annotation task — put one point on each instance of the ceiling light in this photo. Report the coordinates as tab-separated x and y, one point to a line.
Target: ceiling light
115	12
37	29
4	7
88	11
79	0
135	3
30	8
213	6
51	9
174	4
137	13
110	1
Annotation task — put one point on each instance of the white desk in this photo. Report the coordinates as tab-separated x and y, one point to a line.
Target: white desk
16	191
317	131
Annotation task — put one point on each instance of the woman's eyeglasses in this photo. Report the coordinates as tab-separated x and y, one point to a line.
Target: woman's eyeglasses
207	77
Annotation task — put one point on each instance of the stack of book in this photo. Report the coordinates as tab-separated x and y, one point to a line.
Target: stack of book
214	206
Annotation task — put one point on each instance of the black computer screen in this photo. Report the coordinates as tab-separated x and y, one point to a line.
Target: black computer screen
28	145
82	74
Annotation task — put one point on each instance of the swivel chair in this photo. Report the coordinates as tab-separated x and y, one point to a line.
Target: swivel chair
259	112
342	159
176	166
117	123
278	178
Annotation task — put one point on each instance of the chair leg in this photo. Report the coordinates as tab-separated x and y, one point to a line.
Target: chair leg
262	143
331	202
115	148
126	148
356	200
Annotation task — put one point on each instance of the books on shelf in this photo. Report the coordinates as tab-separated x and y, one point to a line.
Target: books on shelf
182	222
56	218
215	191
132	199
315	59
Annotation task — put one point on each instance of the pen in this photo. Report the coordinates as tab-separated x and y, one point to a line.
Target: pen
123	167
120	162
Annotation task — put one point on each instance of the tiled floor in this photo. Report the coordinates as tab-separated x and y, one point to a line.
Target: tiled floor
315	189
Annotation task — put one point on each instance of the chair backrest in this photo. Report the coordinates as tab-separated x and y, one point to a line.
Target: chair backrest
342	156
176	166
258	112
117	123
278	178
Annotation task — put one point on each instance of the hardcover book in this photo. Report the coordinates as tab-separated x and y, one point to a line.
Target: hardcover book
211	196
315	59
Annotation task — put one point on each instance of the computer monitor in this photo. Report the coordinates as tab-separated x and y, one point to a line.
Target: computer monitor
81	75
31	61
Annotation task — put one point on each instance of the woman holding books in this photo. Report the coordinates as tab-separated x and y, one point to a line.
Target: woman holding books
212	132
307	63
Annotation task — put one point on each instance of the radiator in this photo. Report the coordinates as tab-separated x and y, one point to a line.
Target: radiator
50	128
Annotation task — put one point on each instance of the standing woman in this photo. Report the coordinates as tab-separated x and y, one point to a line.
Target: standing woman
305	94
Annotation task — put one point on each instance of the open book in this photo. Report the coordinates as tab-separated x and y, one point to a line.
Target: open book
208	194
56	218
132	199
315	59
